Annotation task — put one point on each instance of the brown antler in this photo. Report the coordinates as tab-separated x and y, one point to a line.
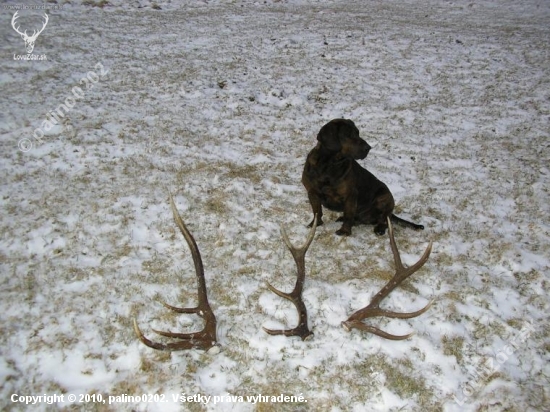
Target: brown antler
299	254
373	309
204	339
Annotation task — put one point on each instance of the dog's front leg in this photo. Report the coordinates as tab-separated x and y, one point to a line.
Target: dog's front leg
350	209
316	207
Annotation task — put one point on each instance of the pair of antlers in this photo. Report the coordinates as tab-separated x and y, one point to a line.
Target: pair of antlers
355	321
206	338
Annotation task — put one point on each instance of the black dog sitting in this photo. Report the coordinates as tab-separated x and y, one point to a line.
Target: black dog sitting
334	179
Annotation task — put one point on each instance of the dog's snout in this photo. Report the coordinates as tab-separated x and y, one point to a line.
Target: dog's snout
367	147
364	149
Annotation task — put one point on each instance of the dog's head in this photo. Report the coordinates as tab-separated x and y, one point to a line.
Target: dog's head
341	135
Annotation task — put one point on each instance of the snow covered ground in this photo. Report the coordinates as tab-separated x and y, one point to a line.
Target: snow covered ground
219	103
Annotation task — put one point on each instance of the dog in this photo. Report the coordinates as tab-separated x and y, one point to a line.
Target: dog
334	179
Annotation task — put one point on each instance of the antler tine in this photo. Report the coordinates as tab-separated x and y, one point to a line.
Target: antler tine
397	257
46	18
373	309
13	21
300	250
298	253
206	338
195	254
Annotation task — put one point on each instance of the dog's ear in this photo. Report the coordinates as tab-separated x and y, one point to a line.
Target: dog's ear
328	136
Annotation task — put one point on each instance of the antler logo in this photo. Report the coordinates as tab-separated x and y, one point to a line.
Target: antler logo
29	40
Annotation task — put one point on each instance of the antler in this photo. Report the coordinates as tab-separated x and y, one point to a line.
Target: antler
373	309
15	17
299	254
35	35
46	18
25	35
204	339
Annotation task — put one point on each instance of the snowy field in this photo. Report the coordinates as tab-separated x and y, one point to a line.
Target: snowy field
219	104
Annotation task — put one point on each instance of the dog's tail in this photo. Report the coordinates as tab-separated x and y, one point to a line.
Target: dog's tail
404	222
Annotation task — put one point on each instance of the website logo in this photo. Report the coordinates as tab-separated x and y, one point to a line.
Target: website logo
29	40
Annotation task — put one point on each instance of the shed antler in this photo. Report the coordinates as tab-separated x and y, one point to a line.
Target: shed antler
299	254
204	339
373	309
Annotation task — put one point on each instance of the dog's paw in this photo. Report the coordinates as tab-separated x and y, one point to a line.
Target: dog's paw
343	232
380	230
319	223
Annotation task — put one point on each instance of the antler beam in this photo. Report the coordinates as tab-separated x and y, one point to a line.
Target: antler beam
373	309
299	254
204	339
